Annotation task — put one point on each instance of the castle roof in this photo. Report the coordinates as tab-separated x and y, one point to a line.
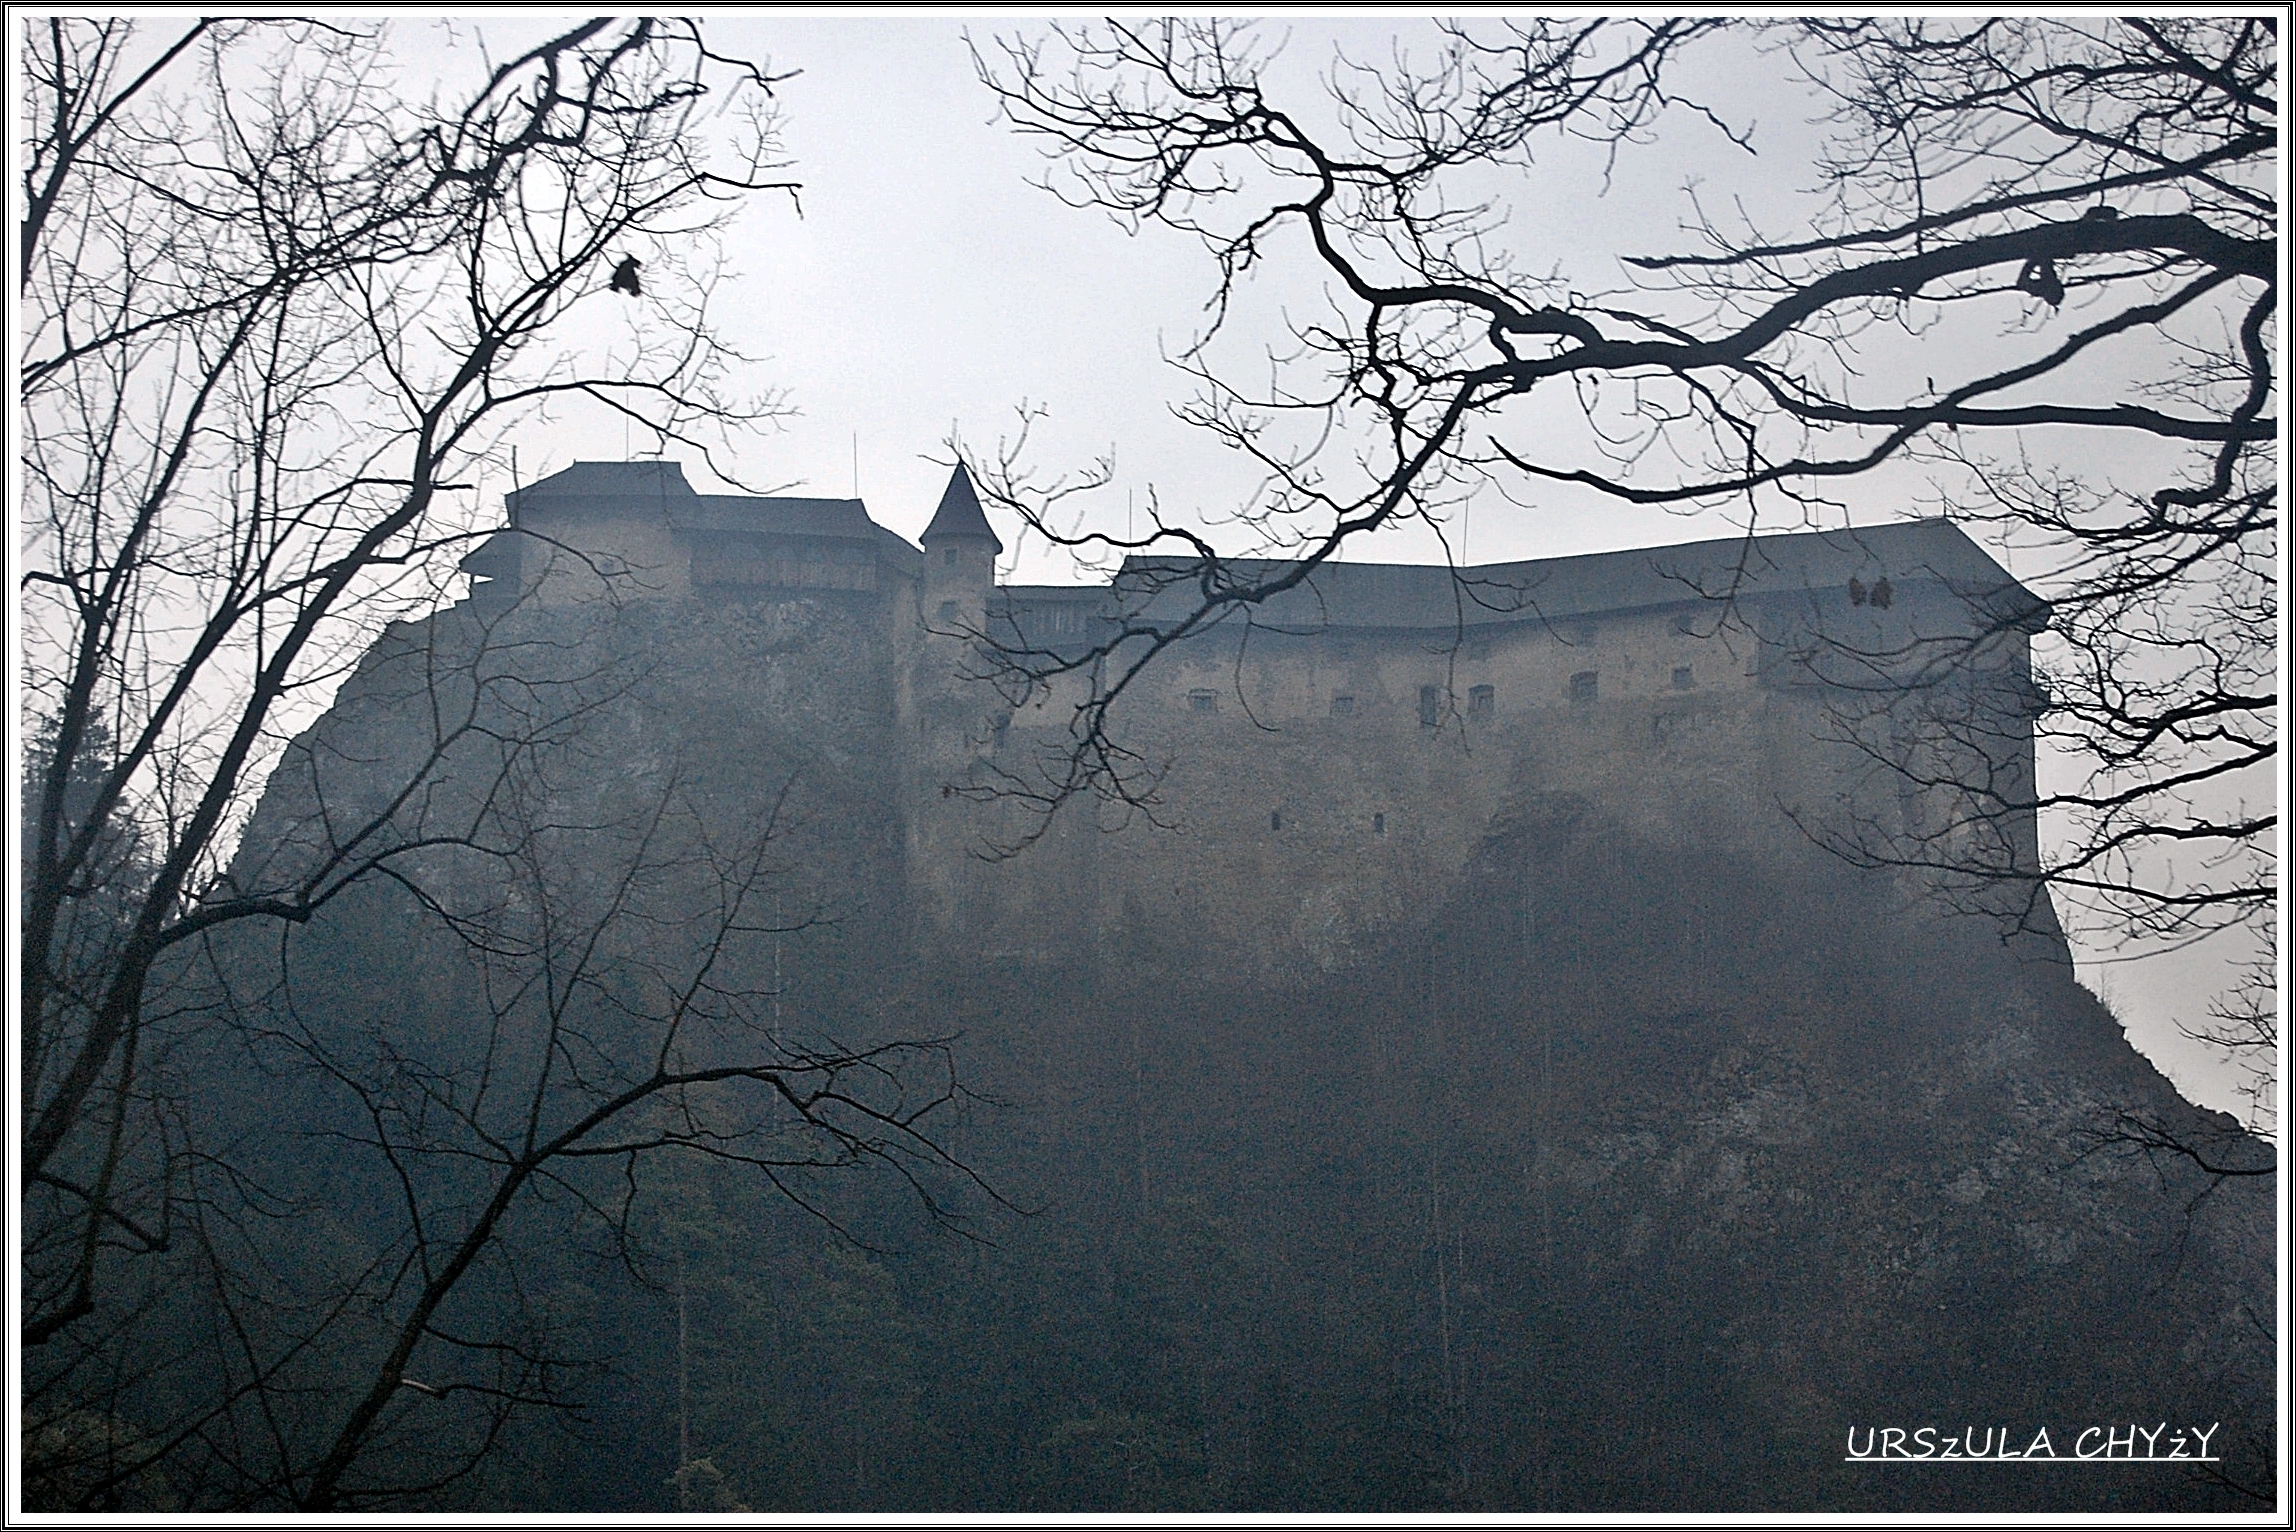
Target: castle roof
1399	596
789	515
1362	596
588	486
659	487
960	514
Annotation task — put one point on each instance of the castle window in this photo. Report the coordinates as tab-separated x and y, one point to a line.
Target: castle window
1682	681
1379	824
948	558
1430	706
1583	686
1481	701
1343	707
1275	819
1203	702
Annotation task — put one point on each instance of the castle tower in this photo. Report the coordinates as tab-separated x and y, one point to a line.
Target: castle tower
960	560
954	715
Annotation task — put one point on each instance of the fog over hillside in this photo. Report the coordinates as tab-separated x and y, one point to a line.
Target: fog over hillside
883	766
1635	1171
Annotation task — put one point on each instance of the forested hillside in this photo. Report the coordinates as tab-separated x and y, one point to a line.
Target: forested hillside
1650	1181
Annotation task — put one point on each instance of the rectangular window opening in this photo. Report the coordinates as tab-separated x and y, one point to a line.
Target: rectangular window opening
1682	680
1482	701
1275	819
1430	706
1379	824
1203	702
1583	686
1343	707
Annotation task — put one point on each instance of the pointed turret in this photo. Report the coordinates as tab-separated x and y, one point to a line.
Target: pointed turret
960	559
960	515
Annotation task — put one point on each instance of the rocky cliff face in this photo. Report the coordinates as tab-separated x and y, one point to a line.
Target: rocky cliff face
747	724
1675	1183
1642	1176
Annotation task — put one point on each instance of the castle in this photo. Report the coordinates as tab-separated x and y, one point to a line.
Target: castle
1318	771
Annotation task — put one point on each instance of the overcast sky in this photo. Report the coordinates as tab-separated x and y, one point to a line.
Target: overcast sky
928	287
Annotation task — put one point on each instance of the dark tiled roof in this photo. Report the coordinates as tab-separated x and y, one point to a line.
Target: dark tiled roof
792	516
496	556
650	481
660	487
1341	595
1068	595
960	512
1433	596
788	515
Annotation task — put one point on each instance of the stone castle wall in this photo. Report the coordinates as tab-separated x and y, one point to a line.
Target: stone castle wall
1303	793
1305	798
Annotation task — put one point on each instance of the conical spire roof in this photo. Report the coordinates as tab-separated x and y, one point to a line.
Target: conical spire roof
960	513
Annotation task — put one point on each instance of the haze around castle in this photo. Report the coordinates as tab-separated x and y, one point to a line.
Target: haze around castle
865	764
921	290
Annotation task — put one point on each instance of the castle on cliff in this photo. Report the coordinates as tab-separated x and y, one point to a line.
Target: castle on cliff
1327	766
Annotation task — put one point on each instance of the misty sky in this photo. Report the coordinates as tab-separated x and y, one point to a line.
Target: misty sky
929	288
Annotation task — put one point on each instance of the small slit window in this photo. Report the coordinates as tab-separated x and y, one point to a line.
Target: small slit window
1482	701
1203	702
1583	686
1430	706
1682	678
1379	824
1275	819
1343	707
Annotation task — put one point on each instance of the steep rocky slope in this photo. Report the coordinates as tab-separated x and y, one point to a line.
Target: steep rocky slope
1654	1179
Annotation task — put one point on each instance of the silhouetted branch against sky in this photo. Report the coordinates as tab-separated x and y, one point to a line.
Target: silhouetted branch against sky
2021	273
284	297
1498	291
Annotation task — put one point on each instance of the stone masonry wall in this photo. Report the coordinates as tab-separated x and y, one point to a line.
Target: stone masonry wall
1317	795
